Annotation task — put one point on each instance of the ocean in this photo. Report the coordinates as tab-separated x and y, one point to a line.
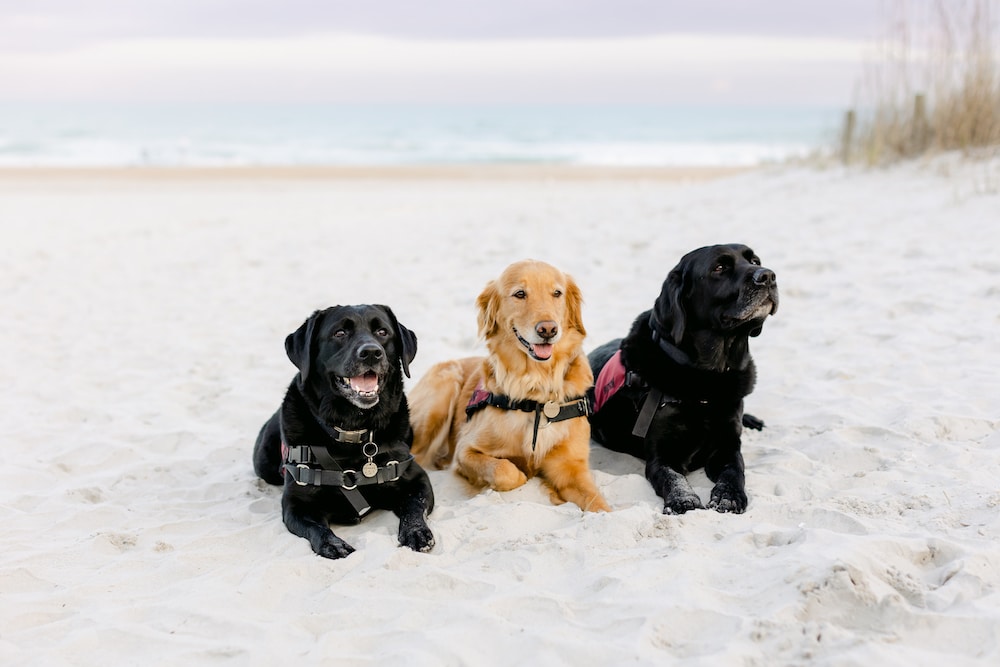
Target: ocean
296	135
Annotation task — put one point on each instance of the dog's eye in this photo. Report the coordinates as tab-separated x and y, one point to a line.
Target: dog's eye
520	294
382	331
723	264
755	260
557	293
339	333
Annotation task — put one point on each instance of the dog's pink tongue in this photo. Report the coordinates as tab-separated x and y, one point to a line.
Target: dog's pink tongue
367	382
542	350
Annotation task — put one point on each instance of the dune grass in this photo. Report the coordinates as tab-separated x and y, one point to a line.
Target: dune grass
933	86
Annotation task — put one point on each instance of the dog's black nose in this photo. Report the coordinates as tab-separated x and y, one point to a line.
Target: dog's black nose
370	352
547	329
764	276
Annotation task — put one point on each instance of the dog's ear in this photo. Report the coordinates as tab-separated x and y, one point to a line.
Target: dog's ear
574	305
407	341
488	306
300	346
670	305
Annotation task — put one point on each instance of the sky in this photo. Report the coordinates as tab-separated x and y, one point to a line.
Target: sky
758	52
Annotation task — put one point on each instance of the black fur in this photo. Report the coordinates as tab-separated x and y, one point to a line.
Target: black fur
710	304
345	342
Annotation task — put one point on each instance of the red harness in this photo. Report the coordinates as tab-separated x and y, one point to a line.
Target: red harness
609	380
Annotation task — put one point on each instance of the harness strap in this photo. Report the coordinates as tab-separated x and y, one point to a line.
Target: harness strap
358	502
297	460
348	480
554	412
649	408
482	398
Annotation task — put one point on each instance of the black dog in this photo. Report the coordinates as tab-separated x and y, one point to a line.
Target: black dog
340	442
674	394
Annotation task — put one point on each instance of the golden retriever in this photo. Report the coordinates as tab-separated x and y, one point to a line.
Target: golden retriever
521	410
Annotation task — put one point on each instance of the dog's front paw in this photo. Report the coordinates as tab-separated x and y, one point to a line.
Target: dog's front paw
749	421
418	538
727	498
507	476
333	547
679	502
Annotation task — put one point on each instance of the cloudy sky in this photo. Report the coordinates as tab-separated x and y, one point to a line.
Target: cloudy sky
437	51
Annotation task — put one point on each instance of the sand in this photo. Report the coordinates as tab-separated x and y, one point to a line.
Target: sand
144	315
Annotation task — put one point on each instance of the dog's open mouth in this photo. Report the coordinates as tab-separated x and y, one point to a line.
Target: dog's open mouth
365	386
537	351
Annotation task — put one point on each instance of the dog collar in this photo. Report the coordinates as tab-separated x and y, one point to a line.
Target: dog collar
675	353
339	434
356	437
554	412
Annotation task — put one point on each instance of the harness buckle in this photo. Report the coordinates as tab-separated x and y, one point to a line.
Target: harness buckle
390	464
299	454
305	467
343	435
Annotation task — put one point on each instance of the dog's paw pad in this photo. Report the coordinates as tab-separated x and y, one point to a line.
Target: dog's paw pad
418	540
335	548
681	505
728	505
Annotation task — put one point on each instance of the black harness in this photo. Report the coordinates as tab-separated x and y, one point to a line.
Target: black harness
655	398
312	465
553	412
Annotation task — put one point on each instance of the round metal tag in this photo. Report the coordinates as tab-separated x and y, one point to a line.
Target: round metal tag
369	469
551	409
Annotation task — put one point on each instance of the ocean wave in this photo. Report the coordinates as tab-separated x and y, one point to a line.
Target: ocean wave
371	136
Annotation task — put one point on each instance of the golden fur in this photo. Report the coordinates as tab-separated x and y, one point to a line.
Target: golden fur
493	448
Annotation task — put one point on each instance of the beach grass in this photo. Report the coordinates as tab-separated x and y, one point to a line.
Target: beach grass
933	86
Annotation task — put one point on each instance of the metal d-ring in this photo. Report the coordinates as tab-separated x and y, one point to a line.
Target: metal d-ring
301	465
354	478
364	450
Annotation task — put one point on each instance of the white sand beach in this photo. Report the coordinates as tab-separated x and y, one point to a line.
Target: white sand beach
144	315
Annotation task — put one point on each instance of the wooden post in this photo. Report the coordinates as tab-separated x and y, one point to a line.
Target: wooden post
920	134
848	137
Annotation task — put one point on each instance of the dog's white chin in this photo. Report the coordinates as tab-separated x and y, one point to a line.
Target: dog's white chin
756	311
363	401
